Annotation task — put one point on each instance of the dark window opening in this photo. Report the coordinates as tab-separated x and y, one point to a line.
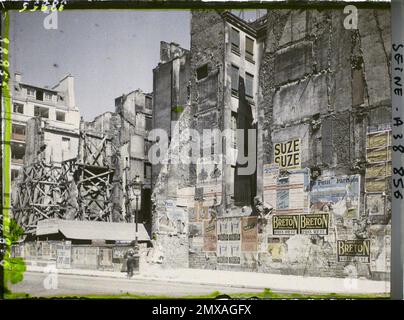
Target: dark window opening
18	132
18	108
235	41
148	123
148	102
39	95
60	116
202	72
249	49
17	152
41	112
234	80
249	78
14	174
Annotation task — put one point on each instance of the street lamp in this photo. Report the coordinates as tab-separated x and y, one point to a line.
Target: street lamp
136	188
137	191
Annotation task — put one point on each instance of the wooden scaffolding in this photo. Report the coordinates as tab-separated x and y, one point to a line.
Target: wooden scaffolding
76	189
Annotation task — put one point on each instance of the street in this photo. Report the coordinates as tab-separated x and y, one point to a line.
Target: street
75	285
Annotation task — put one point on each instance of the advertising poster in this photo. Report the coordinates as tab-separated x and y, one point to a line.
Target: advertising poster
209	235
314	223
229	236
63	255
249	234
276	249
287	154
375	204
378	156
339	195
285	225
229	252
228	229
353	250
287	193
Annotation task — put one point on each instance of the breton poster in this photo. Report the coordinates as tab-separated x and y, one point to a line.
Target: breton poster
353	250
314	223
285	225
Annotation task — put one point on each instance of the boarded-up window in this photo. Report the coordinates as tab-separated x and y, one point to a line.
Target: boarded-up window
249	81
234	80
249	49
235	40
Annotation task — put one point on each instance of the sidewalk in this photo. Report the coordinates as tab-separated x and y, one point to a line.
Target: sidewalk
247	280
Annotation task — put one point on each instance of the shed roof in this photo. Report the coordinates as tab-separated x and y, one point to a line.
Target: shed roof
92	230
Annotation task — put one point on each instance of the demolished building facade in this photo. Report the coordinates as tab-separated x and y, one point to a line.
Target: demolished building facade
318	95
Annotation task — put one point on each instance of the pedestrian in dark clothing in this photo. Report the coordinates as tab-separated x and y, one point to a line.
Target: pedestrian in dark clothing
130	262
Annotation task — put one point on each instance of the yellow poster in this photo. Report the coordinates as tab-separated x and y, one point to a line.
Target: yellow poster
287	154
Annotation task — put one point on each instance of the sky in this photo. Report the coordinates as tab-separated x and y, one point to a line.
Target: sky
109	52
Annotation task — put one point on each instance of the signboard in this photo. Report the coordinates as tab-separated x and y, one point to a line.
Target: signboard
287	154
285	225
63	255
314	223
249	234
353	250
209	235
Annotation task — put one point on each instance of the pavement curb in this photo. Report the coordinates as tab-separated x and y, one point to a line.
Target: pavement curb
183	281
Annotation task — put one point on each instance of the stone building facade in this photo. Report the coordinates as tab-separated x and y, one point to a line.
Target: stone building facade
58	112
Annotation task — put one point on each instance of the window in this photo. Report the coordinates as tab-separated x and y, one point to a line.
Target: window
30	92
148	102
234	80
48	96
14	174
18	132
147	171
202	72
66	144
18	108
60	116
39	95
249	82
41	112
233	127
235	41
148	123
17	152
249	49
